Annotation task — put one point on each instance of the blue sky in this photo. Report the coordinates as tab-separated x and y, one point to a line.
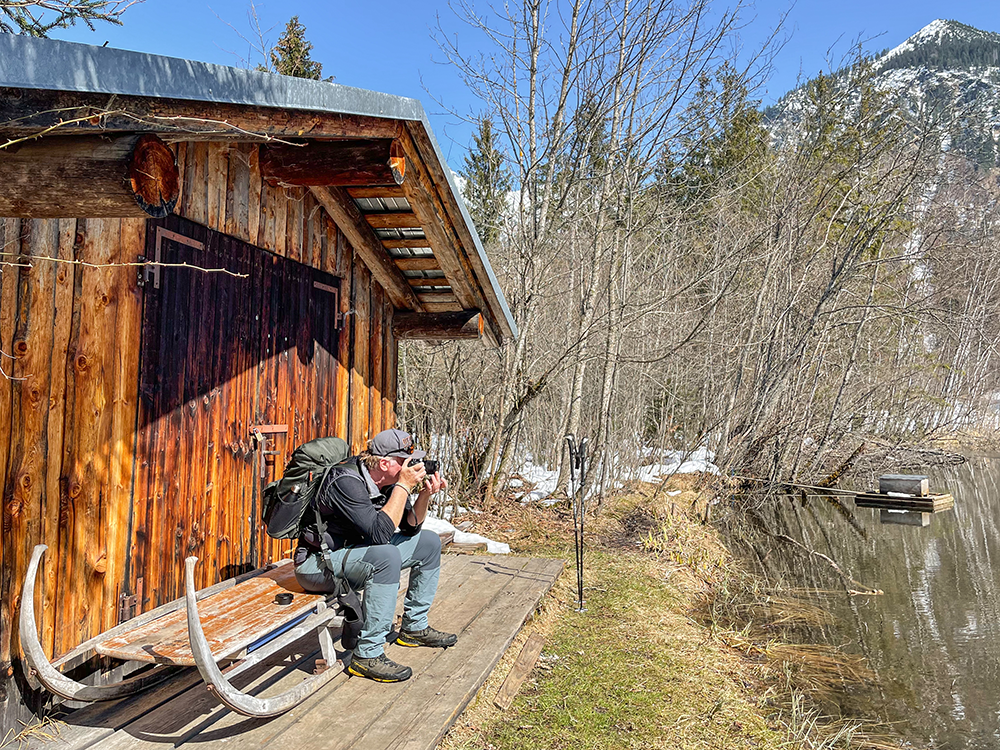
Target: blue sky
387	45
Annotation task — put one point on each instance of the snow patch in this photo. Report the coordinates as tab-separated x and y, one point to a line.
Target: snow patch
543	482
440	526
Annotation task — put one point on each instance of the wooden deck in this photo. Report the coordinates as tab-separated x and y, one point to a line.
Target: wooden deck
485	599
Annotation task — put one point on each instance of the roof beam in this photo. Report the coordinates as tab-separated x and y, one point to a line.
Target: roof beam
393	221
447	326
415	139
407	243
420	195
343	163
379	191
27	111
437	281
88	177
417	264
345	214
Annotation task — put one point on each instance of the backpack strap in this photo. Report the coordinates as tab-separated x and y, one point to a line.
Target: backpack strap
320	523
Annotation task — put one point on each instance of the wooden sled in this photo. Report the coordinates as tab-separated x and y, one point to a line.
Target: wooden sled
237	621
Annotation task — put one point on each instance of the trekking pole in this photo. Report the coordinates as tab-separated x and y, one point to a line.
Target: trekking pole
581	491
578	508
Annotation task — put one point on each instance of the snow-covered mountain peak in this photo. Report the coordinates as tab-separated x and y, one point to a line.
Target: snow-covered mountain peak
947	72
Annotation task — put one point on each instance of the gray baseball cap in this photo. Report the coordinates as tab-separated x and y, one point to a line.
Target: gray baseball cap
394	443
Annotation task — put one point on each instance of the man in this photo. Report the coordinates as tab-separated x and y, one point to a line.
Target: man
362	502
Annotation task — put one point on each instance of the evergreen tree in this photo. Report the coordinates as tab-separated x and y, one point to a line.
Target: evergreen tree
487	182
290	56
725	139
39	18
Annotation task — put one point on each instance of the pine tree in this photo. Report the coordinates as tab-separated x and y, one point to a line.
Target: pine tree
40	18
487	183
290	56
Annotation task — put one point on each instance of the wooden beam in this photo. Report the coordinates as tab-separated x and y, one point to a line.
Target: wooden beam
437	281
417	139
345	214
448	326
427	263
342	163
88	177
441	307
407	243
421	196
447	297
379	191
26	112
393	221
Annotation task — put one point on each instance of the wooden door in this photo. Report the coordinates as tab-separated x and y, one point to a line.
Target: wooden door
296	369
227	357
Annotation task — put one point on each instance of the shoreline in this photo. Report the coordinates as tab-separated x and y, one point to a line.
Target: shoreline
666	600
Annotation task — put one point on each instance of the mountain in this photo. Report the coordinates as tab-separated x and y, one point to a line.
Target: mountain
948	74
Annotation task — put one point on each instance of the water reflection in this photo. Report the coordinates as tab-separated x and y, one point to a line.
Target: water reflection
934	635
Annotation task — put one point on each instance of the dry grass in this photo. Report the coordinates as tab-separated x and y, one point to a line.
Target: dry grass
33	734
677	647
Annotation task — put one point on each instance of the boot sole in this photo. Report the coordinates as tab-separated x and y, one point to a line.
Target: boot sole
352	671
410	644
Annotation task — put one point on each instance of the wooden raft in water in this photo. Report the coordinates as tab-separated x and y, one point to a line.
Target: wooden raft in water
888	501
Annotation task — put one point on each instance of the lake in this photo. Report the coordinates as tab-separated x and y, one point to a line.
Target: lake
933	636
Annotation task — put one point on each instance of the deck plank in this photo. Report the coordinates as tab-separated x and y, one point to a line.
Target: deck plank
418	720
360	706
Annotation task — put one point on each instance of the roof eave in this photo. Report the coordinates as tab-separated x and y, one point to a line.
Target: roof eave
53	65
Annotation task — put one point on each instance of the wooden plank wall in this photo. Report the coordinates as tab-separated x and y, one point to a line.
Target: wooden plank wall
70	342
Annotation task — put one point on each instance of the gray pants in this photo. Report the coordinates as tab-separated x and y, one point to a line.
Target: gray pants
376	570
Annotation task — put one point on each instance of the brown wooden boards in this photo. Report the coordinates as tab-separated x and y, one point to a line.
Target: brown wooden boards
232	619
927	504
194	480
222	353
530	652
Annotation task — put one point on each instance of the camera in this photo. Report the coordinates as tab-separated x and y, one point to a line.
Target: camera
430	465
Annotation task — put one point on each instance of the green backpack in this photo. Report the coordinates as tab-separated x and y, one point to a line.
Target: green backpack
286	500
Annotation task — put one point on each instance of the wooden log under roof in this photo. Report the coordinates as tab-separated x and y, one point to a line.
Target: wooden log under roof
342	163
444	326
88	177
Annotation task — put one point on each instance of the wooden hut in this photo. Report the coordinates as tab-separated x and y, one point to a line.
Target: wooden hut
201	268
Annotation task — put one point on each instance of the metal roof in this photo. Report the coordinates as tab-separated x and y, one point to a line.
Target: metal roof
49	64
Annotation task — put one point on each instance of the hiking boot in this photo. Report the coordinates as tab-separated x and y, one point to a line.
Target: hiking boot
379	668
426	637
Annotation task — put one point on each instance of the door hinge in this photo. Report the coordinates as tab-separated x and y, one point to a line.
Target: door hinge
127	605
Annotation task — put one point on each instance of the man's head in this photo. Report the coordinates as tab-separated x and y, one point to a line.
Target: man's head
386	454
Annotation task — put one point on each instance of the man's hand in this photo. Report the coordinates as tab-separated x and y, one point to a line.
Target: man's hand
410	476
435	483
